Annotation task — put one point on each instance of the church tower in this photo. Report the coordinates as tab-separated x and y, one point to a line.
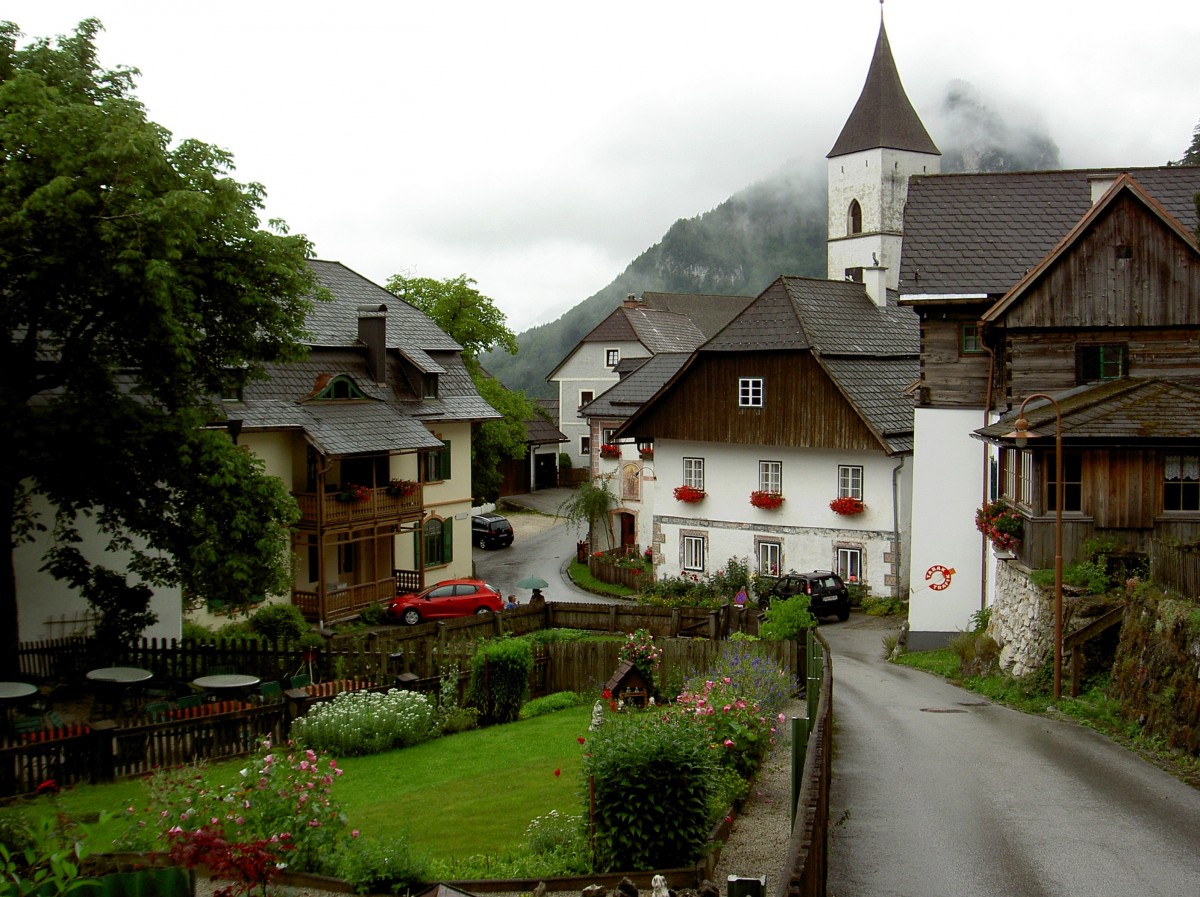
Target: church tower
882	144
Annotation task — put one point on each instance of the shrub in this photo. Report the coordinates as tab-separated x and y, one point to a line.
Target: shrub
654	779
755	674
363	722
500	679
562	837
279	622
787	619
372	615
372	865
733	725
882	607
451	715
640	650
560	700
978	653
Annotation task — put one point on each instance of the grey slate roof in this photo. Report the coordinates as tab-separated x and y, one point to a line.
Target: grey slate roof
656	329
966	234
883	115
633	390
540	428
392	417
709	312
1132	410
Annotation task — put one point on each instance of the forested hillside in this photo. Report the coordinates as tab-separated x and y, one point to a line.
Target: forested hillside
774	227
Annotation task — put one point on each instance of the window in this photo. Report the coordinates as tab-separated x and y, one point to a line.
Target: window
770	558
1101	361
1181	483
693	473
341	387
693	552
429	386
1018	477
770	476
850	481
585	445
750	392
347	552
585	396
849	564
854	218
854	275
609	434
435	464
968	340
1072	482
612	357
439	541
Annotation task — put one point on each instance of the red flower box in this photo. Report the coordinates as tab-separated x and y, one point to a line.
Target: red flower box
689	494
610	451
847	505
766	500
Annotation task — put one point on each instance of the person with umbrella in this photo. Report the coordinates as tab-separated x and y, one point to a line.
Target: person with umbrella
537	599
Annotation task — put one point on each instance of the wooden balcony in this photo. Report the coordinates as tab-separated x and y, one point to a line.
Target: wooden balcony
324	511
344	603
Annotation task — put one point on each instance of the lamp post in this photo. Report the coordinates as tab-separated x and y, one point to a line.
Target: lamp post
1022	435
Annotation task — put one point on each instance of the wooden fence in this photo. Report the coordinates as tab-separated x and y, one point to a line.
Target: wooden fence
806	867
1177	567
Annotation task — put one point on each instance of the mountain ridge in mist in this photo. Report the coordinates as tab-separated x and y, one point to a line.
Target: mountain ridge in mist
775	226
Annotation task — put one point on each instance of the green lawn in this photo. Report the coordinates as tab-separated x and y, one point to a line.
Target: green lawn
470	793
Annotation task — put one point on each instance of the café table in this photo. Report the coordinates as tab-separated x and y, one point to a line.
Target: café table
226	682
113	683
12	693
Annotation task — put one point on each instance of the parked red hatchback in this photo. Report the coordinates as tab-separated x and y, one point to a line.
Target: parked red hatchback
449	598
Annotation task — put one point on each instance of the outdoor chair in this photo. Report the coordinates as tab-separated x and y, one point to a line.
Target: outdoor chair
26	725
188	702
302	680
158	710
270	693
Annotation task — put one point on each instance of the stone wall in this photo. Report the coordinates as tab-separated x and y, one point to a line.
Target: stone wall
1022	620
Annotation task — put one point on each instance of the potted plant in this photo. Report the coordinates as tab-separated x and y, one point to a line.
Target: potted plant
1001	524
646	453
608	450
847	505
353	493
768	501
401	488
689	494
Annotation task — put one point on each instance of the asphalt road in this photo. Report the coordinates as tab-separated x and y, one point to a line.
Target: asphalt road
542	546
936	792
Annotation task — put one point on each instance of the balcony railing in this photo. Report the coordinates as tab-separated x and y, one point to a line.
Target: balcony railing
345	602
379	505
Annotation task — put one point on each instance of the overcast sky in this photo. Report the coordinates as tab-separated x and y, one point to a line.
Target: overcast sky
540	146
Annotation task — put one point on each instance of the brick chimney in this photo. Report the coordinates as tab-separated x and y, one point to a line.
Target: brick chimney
372	333
632	301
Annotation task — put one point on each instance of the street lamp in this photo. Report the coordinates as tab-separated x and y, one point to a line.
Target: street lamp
1021	436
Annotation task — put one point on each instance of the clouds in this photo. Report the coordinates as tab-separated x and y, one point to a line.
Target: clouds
539	146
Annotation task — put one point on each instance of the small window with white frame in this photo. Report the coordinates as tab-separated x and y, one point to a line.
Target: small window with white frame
693	473
586	396
770	556
750	392
692	547
612	357
585	445
850	481
770	476
849	564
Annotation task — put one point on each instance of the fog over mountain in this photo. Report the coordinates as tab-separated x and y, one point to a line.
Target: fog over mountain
775	226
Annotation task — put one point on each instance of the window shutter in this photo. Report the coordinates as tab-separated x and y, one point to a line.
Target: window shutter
448	540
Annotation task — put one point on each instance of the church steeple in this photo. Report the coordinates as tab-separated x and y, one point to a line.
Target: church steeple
881	146
883	117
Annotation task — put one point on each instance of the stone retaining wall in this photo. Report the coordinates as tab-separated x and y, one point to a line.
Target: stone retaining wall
1022	619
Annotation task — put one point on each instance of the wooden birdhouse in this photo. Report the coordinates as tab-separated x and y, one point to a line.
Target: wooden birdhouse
629	685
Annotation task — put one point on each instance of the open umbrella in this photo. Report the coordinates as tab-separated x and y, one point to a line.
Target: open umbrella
532	582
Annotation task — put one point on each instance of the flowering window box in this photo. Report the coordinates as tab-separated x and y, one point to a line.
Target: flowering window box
766	500
610	451
847	505
401	488
1001	524
353	493
689	494
646	454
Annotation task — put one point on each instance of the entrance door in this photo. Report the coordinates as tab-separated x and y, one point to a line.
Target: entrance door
628	530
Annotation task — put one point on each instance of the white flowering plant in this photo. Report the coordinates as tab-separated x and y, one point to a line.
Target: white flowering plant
363	722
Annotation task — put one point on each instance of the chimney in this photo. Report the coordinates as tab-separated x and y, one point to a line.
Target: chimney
632	301
372	333
875	280
1100	184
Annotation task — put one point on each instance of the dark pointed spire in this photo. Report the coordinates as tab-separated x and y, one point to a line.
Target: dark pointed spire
883	115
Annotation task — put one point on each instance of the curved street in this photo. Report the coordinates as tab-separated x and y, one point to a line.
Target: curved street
937	793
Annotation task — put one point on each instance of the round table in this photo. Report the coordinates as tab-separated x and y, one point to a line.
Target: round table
225	681
15	691
119	675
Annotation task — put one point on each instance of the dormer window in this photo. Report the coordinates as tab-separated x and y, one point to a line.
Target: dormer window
341	387
854	218
429	386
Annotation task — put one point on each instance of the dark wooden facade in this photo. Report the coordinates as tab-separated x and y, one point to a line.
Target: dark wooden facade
802	406
951	377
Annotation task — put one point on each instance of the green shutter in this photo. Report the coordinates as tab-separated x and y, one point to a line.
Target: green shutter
448	539
445	461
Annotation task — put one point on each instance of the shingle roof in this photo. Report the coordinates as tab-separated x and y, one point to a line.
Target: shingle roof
966	234
876	388
883	115
540	428
709	312
663	331
635	389
1129	410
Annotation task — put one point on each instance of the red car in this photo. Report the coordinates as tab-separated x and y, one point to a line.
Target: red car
449	598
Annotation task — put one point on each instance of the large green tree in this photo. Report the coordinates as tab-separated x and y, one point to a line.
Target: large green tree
138	283
474	322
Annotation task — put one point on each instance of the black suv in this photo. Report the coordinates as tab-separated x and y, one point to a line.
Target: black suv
826	592
491	531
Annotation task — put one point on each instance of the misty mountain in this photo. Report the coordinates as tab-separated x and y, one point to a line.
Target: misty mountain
775	226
